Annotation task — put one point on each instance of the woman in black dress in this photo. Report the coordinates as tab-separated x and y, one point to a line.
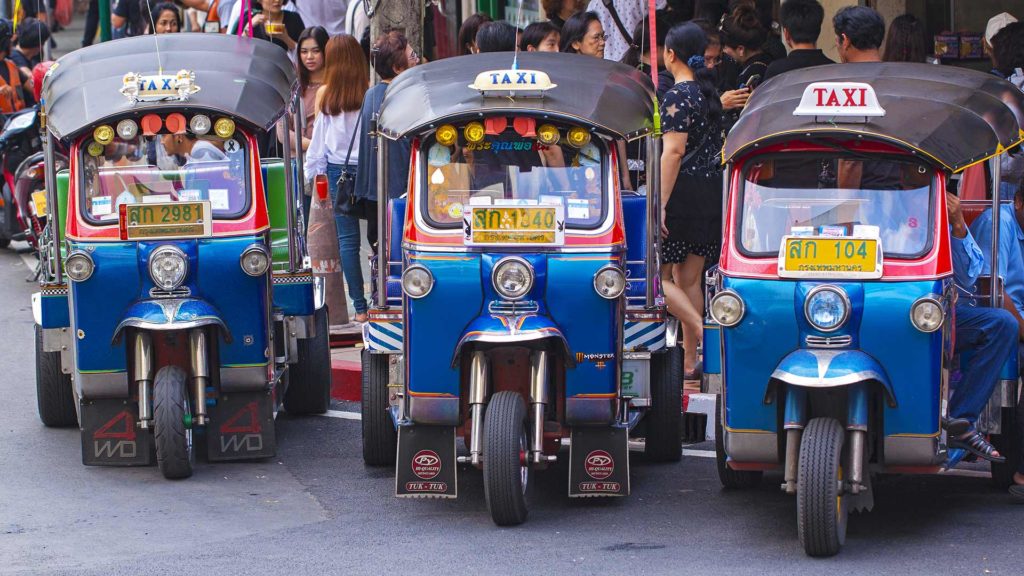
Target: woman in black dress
691	182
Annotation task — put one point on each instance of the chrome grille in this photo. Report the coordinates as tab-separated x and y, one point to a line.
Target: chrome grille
507	307
179	292
829	341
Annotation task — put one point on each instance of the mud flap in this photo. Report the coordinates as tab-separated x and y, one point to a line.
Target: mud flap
241	427
110	435
599	462
426	466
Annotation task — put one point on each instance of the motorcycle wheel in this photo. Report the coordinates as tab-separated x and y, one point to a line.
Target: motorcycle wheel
380	438
172	435
506	471
664	439
821	507
1010	444
54	396
309	381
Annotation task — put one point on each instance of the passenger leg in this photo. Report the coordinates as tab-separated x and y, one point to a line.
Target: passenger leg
689	275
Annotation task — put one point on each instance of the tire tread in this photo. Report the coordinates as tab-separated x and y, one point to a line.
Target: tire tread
503	425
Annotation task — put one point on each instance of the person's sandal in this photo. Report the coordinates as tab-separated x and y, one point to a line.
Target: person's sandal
977	445
956	426
1017	493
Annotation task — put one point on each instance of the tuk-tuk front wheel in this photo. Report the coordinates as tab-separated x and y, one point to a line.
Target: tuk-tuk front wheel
380	438
171	434
1010	444
821	507
732	479
664	439
55	398
506	471
309	381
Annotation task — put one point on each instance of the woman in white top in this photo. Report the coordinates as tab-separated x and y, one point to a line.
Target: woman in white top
334	142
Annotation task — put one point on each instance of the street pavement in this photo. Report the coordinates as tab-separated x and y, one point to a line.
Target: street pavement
316	509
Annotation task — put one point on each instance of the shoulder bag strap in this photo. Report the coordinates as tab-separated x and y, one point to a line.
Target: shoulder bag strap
610	6
355	132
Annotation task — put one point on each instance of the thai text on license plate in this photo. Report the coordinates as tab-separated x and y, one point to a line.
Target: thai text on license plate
534	225
830	257
165	220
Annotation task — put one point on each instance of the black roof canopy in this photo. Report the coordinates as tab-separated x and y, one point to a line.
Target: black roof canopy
250	80
613	98
952	116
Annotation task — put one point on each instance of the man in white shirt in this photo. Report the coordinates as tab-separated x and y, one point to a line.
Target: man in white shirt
327	13
629	12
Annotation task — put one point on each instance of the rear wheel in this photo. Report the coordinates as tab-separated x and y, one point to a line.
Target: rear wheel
733	479
506	473
172	423
55	397
664	439
309	384
380	438
1010	444
821	508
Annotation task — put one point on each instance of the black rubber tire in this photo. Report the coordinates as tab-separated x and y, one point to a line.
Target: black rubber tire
380	438
664	433
55	397
504	446
821	509
5	242
731	479
309	384
1010	444
173	440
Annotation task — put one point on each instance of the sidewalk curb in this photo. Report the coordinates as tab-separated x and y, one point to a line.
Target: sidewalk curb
346	380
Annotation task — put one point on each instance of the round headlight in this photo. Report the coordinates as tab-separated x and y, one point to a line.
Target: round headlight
578	137
127	129
103	134
827	308
255	261
446	135
548	135
609	282
512	278
417	281
926	314
168	267
224	127
474	132
727	308
79	266
200	124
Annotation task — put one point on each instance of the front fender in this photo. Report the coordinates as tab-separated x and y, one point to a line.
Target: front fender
171	314
502	329
831	369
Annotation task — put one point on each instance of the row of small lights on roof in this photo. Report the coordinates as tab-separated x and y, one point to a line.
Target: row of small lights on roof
547	134
151	124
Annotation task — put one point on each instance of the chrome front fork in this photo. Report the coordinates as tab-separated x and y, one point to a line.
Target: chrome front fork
477	402
539	399
200	362
143	353
795	419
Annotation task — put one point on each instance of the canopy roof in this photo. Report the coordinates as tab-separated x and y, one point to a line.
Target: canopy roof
248	79
613	98
952	116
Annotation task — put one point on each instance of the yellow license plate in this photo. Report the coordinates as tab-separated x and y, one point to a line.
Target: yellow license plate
165	220
830	257
515	225
39	202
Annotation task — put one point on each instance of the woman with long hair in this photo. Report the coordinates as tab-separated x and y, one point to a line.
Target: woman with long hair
906	40
467	33
310	68
691	182
334	146
164	18
559	11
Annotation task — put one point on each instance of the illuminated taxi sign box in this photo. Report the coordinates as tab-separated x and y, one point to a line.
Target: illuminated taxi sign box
513	83
165	220
159	87
830	257
839	101
532	225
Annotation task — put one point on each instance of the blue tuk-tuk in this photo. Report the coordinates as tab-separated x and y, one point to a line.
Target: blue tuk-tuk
829	336
175	307
513	305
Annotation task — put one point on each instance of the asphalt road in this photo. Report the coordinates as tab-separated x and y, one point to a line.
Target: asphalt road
315	509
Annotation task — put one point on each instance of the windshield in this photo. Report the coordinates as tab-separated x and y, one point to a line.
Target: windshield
815	195
164	168
510	169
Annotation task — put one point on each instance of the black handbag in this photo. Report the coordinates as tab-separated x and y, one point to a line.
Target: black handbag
346	202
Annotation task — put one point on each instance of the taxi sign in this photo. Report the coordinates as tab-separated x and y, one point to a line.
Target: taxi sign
839	99
512	81
159	87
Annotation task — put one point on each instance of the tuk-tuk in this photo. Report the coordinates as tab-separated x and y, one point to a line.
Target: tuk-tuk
513	307
176	308
829	337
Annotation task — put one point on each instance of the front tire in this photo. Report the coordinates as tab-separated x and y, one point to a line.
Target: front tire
1010	444
309	384
506	472
821	507
664	440
732	479
55	397
380	438
171	435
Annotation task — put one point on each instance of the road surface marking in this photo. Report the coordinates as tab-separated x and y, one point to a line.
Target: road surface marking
343	415
699	453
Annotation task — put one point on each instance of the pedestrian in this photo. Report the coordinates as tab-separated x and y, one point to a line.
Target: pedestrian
357	23
993	26
540	37
497	36
691	183
92	22
12	92
558	11
1007	55
859	33
31	35
331	15
277	25
584	34
334	148
618	17
743	38
906	40
391	55
467	33
164	18
801	26
640	51
127	18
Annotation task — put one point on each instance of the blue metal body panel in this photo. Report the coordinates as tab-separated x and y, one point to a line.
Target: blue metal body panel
712	349
164	314
294	297
771	336
119	289
54	311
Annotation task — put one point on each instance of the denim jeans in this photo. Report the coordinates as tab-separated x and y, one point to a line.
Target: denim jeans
348	242
991	336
